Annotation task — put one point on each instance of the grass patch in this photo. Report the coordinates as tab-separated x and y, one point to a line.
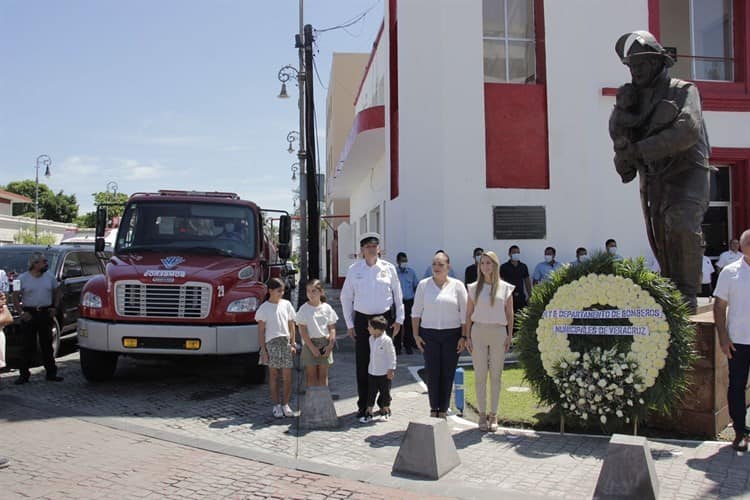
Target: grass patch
517	408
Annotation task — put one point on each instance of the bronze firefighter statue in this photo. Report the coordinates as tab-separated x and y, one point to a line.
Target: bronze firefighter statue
658	133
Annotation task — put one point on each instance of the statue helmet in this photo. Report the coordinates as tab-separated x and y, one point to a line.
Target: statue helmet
640	43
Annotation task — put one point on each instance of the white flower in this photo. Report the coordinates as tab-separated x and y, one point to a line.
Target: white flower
640	400
602	383
595	375
627	420
630	402
603	419
592	388
581	402
619	413
597	398
619	391
629	380
563	365
585	416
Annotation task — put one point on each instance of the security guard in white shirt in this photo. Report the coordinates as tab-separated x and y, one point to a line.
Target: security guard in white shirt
371	289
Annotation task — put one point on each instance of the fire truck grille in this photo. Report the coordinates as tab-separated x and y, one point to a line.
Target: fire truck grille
136	299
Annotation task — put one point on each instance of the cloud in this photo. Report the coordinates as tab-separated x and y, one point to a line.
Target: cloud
134	170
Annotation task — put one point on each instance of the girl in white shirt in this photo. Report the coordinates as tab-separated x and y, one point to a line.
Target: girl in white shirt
437	315
317	326
489	330
276	334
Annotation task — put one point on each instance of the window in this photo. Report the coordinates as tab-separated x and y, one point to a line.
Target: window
375	219
718	219
89	263
71	266
702	33
363	224
509	47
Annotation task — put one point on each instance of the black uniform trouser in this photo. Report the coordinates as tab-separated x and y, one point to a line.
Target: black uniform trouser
39	326
406	336
739	366
378	386
362	353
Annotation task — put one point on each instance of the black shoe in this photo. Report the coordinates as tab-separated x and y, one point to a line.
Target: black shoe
398	351
361	413
54	378
21	380
4	462
739	443
409	350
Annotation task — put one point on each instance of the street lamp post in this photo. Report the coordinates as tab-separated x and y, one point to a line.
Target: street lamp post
286	73
46	161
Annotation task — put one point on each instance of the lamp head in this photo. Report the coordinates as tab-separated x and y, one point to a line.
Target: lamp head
283	94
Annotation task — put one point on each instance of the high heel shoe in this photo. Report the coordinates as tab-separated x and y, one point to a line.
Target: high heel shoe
492	422
483	422
433	413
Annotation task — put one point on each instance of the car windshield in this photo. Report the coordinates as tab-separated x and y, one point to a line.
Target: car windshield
14	262
221	229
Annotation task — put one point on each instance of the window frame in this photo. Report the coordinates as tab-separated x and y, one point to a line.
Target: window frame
538	44
722	95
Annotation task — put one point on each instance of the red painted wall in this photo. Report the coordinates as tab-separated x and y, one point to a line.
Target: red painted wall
739	161
516	136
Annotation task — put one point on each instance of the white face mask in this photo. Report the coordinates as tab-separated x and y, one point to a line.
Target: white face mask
548	258
515	256
477	258
402	265
583	258
612	250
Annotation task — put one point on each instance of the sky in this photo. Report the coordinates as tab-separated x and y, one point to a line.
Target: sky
163	94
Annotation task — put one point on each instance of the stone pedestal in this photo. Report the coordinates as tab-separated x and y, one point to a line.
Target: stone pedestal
427	449
628	470
704	410
317	410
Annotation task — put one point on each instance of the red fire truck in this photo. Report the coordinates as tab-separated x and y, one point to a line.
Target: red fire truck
188	271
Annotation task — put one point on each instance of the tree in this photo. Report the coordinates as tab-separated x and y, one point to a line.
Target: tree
57	207
119	199
86	220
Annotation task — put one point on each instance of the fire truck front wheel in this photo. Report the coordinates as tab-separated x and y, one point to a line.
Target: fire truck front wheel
98	366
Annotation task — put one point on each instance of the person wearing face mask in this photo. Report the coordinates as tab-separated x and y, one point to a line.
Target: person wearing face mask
38	298
470	274
582	256
731	255
516	273
408	279
545	268
611	246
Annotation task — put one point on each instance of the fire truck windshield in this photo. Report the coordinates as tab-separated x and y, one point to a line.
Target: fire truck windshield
192	227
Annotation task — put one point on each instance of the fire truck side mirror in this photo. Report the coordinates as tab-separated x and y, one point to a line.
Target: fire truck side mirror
101	221
285	237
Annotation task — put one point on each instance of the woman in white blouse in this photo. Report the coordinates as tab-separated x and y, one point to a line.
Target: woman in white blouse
437	315
489	330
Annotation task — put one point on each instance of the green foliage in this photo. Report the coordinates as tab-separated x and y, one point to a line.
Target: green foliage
106	197
672	382
57	207
26	237
86	220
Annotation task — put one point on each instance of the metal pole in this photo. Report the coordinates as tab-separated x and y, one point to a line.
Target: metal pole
313	209
302	156
36	207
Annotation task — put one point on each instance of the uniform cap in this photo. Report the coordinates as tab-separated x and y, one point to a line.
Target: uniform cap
366	238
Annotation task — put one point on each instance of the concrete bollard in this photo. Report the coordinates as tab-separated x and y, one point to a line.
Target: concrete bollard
458	391
427	449
628	470
317	410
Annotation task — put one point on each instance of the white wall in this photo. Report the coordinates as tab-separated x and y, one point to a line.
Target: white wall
10	226
443	201
370	193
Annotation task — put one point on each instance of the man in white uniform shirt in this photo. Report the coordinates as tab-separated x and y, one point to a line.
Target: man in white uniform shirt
732	255
371	288
732	317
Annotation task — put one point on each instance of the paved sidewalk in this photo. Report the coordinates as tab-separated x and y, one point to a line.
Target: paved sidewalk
203	408
66	458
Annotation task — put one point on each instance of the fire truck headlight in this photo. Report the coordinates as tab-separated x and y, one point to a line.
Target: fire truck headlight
91	300
248	304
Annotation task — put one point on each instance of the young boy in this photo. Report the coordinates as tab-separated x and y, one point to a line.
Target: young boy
381	369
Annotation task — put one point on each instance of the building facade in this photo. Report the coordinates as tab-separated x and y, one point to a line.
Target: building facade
484	123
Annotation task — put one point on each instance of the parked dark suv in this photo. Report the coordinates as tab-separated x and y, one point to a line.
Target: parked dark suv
72	265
